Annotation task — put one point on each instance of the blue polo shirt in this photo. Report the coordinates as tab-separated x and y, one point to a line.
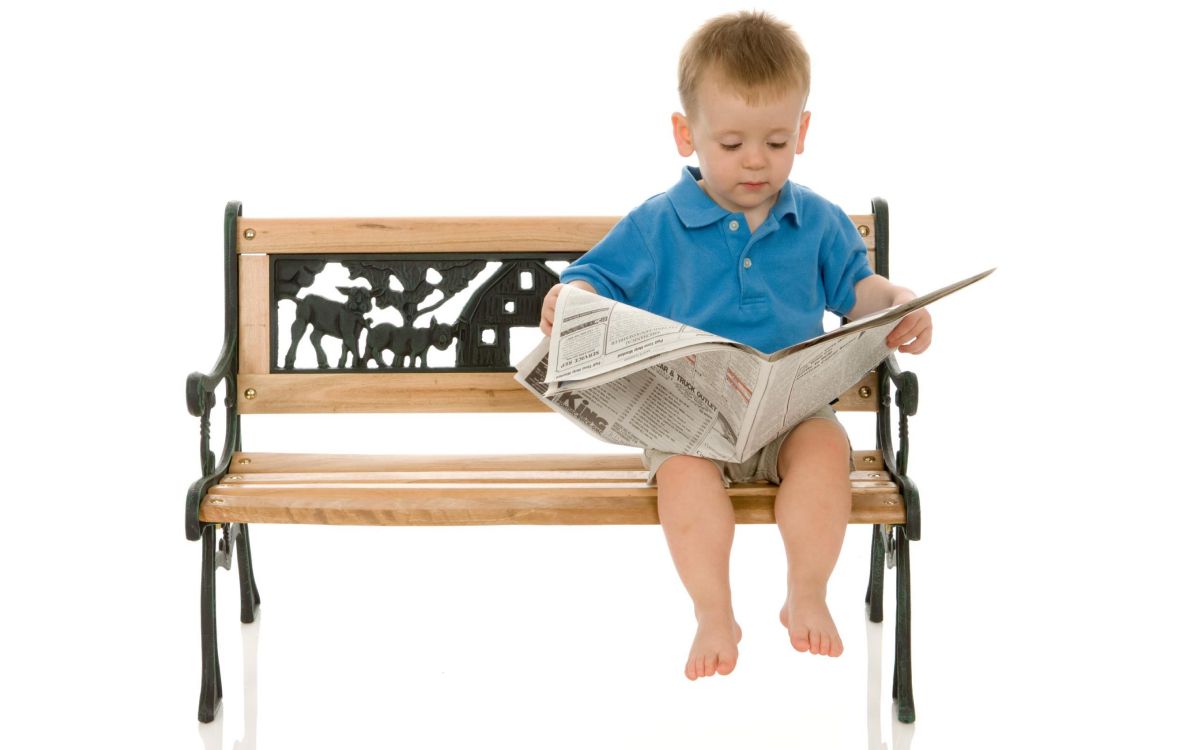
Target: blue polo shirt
685	257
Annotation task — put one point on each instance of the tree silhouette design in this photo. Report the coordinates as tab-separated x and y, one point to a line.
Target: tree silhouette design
455	276
293	275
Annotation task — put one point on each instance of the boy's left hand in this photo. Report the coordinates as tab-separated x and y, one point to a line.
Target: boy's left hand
913	334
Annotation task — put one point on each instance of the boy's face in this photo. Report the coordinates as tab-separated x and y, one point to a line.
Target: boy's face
745	151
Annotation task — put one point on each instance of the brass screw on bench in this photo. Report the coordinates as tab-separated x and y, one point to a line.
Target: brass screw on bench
250	393
868	459
865	391
864	230
249	234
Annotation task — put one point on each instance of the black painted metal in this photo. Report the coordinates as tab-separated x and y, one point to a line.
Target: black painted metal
211	672
248	590
200	393
201	388
907	391
874	597
907	394
511	297
902	688
906	401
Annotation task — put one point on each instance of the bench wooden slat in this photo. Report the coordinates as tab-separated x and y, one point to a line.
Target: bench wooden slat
423	235
246	463
384	393
473	490
370	477
458	504
380	477
441	235
370	393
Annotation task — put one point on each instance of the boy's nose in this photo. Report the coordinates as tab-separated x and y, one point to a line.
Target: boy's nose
753	158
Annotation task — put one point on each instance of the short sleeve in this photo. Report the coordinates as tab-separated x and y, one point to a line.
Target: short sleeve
843	263
620	266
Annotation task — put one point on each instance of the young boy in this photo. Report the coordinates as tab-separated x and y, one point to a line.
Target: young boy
735	249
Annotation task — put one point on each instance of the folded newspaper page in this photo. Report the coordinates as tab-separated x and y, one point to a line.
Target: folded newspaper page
630	377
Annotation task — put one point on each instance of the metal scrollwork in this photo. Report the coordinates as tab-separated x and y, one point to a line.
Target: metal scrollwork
510	297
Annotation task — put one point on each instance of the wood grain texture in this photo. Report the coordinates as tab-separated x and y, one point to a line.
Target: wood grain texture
857	399
254	319
479	490
495	503
246	463
385	393
437	392
441	234
424	235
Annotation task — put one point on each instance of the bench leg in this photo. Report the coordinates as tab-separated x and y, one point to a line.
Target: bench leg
901	689
211	673
875	585
247	588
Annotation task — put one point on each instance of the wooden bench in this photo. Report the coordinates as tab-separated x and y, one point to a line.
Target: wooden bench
270	261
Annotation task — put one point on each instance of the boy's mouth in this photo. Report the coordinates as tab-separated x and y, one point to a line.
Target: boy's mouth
753	185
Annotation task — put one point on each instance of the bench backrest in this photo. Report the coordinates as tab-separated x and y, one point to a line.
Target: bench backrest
371	268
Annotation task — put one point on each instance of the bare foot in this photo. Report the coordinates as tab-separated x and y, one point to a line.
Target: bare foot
715	647
809	623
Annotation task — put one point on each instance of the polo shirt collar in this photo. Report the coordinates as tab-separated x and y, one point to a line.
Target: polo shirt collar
696	209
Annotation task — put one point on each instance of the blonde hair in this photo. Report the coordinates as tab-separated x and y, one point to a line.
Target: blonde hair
752	51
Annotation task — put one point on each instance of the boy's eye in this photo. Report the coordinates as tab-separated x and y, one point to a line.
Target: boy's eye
730	146
778	145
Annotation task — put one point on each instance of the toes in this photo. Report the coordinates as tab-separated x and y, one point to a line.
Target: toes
836	647
815	642
800	642
726	666
712	663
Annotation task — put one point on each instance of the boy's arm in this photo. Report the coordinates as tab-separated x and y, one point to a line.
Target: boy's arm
874	293
552	298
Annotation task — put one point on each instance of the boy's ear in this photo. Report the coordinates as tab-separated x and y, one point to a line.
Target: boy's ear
682	136
801	130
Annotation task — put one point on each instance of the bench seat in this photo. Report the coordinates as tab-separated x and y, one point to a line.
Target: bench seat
458	490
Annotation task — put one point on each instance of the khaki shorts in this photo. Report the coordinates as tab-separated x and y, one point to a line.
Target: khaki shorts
760	467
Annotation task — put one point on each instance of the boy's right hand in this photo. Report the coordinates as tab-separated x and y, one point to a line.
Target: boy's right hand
548	310
552	298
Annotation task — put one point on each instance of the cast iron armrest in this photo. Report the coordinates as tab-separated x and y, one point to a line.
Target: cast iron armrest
200	395
907	394
199	385
907	387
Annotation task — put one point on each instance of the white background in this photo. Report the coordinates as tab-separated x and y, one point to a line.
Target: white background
1039	137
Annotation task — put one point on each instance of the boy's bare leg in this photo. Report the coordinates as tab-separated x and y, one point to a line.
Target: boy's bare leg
812	510
699	523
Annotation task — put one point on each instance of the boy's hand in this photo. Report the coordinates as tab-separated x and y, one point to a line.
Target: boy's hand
913	334
552	298
548	309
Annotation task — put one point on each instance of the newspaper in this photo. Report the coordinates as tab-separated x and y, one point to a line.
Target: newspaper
634	378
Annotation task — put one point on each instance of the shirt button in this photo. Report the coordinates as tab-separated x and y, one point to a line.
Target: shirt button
747	262
733	225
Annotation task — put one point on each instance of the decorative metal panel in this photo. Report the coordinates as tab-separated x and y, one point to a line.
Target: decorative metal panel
393	313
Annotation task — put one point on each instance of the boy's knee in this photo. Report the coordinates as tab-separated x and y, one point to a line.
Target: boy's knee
677	469
816	442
